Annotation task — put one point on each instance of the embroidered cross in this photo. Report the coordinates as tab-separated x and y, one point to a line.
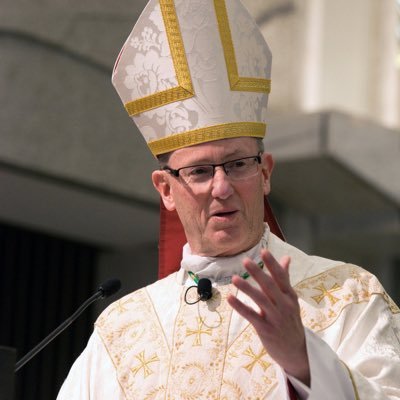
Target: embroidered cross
326	293
198	332
120	306
257	359
144	364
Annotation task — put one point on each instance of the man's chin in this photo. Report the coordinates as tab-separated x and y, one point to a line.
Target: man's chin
225	242
232	240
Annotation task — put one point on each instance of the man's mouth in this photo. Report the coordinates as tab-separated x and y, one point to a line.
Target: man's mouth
224	213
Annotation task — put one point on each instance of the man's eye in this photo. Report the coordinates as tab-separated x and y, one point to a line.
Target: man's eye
197	171
238	164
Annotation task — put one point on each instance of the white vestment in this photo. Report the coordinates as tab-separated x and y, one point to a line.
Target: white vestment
152	345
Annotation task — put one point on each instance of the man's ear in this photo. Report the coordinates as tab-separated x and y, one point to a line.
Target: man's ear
267	164
162	184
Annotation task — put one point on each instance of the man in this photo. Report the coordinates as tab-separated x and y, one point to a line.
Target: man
279	324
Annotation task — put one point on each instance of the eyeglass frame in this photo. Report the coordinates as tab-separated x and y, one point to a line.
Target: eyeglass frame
175	172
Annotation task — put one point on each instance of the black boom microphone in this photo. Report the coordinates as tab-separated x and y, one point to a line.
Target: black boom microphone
107	289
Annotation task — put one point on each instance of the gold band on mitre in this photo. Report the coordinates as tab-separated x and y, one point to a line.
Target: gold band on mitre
207	134
236	82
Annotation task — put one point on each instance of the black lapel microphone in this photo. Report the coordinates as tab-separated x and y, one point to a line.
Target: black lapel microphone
204	289
105	290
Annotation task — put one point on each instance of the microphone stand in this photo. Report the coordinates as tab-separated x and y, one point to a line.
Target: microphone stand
58	330
8	355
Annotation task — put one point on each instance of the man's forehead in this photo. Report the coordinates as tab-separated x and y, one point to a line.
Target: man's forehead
217	149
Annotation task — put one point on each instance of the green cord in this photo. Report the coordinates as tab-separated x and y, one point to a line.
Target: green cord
194	277
245	275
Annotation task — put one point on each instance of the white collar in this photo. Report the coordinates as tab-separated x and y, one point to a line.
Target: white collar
218	269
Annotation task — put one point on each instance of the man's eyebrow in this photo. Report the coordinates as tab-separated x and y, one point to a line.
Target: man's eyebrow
238	153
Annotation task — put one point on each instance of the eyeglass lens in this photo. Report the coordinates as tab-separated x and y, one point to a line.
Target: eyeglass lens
236	170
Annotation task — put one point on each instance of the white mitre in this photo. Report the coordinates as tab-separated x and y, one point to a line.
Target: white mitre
193	71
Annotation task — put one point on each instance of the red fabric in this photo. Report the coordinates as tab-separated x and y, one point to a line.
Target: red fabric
292	392
172	238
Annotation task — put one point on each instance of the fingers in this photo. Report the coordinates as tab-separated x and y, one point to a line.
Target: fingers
246	312
278	270
265	281
274	291
273	310
264	302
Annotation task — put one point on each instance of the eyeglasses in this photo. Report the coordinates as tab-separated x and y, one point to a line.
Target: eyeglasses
237	170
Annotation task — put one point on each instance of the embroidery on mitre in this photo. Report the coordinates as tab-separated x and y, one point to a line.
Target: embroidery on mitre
172	82
184	90
330	292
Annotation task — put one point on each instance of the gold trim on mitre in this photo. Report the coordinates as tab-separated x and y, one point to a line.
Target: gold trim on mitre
237	83
207	134
184	90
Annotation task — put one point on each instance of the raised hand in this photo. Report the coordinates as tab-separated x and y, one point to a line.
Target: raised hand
277	322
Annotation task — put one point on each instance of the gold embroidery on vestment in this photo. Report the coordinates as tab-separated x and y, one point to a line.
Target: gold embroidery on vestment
216	361
144	364
326	293
352	285
120	306
198	332
124	338
256	359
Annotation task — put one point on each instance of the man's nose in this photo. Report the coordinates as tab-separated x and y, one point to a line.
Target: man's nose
221	184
